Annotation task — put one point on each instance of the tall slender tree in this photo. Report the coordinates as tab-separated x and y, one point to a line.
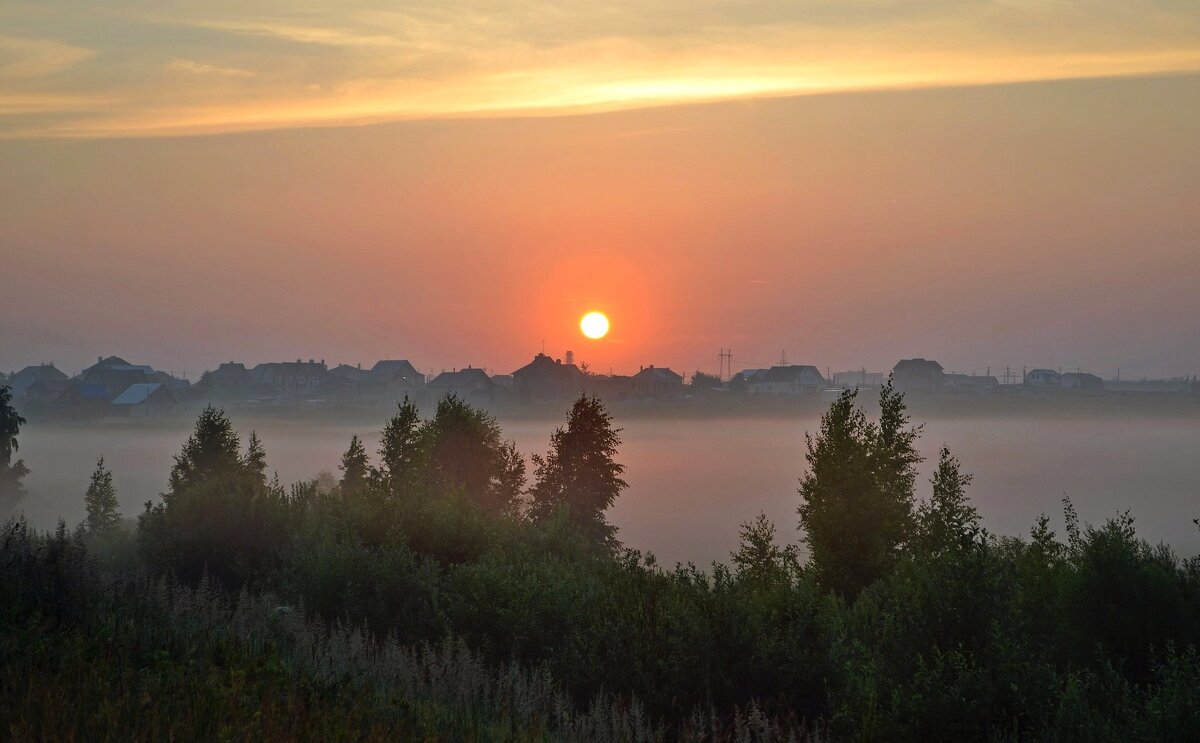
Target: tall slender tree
856	499
103	515
356	468
580	473
401	451
255	461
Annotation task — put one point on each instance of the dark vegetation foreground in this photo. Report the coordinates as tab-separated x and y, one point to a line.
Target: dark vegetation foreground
437	593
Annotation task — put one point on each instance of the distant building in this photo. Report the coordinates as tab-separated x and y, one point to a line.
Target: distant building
545	378
1080	381
288	380
917	375
349	373
657	381
116	373
83	401
145	400
793	379
22	380
229	381
390	381
471	384
1043	378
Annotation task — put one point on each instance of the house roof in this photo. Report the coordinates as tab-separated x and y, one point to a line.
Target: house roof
90	391
468	377
544	365
136	394
657	374
917	366
793	373
388	368
30	374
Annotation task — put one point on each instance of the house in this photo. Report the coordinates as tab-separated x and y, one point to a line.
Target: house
145	400
545	378
1043	378
793	379
349	373
1080	381
21	381
471	384
116	373
288	380
83	401
740	383
390	381
42	393
657	381
229	381
917	375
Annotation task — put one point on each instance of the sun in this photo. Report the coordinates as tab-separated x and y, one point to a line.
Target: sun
594	325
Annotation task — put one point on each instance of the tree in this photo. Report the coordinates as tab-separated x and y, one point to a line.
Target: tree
758	557
355	468
103	515
401	451
511	479
255	461
705	383
210	452
856	499
11	473
580	472
466	453
948	523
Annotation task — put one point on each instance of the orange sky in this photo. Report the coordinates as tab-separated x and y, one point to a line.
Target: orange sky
1050	223
849	182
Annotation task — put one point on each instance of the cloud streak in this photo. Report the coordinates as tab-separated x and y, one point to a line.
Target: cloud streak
305	63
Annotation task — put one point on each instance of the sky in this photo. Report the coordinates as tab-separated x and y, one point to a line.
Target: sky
844	183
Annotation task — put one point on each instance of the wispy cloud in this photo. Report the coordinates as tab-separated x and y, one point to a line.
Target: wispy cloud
199	68
299	63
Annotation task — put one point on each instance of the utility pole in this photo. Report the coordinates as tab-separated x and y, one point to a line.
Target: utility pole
724	361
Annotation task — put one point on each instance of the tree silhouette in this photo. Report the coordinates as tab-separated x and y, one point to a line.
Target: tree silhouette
210	452
857	496
101	501
355	467
580	473
401	452
11	473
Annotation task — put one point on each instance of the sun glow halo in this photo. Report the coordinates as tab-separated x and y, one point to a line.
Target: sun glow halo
594	325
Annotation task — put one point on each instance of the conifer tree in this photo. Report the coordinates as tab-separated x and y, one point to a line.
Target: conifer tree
355	467
580	472
210	452
255	461
948	523
101	501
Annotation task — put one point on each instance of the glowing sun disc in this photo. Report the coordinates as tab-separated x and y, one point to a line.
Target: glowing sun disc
594	325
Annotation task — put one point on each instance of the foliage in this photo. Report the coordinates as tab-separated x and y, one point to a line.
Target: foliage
12	491
401	452
355	467
857	497
367	614
580	473
103	514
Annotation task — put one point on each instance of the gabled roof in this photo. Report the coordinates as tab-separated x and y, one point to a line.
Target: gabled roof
135	394
544	365
469	377
657	374
918	366
391	367
792	374
30	374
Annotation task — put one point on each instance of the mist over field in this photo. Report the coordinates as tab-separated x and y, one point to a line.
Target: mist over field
692	481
